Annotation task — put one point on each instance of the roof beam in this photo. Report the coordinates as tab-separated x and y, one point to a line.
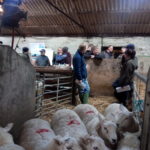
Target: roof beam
54	6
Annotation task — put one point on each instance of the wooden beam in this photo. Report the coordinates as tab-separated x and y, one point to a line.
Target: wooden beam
54	70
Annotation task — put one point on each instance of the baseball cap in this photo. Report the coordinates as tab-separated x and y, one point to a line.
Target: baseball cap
130	46
42	50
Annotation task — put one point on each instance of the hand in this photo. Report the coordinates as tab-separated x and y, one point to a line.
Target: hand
92	56
80	81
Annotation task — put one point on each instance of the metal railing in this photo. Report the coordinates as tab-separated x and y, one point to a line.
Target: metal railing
53	92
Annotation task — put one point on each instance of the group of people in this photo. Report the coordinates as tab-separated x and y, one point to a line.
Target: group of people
94	52
128	61
129	64
61	57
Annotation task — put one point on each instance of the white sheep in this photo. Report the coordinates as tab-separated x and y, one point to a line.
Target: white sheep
11	147
130	141
6	139
86	112
96	123
93	143
38	135
125	119
66	121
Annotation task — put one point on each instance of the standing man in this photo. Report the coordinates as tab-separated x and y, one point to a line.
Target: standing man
68	58
80	73
108	52
126	76
42	60
25	53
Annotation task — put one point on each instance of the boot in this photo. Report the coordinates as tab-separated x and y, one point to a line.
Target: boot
84	98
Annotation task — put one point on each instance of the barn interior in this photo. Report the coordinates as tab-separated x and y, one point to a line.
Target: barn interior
28	91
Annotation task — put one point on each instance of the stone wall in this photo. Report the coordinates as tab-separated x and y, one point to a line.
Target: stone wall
142	44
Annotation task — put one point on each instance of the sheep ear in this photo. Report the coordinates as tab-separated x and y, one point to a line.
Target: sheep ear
8	127
58	141
85	140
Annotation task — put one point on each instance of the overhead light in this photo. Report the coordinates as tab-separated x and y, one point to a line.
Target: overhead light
1	9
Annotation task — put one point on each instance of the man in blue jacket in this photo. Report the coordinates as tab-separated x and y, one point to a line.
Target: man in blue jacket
80	74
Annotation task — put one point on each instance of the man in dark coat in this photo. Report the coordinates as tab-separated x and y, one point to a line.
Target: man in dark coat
80	74
68	58
25	53
126	76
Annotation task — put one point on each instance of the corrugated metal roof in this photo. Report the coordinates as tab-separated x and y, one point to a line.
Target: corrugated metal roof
98	17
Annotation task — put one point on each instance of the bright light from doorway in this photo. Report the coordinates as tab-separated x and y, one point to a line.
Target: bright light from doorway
1	9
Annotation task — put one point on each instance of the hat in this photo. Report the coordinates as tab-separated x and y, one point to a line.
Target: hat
42	50
130	46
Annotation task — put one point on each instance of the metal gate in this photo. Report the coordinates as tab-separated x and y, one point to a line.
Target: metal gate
145	140
54	89
143	93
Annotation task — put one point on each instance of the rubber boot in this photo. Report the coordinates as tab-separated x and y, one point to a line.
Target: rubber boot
84	98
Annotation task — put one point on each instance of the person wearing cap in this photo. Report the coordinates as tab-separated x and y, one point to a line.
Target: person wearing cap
42	60
80	74
25	53
126	76
131	47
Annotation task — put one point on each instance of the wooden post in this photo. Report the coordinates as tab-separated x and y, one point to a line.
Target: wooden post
145	142
74	93
13	36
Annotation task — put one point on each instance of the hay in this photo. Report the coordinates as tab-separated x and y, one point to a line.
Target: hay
100	103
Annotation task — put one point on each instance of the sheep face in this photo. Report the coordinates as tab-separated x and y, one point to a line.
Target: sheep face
5	137
127	122
92	143
109	131
72	144
59	144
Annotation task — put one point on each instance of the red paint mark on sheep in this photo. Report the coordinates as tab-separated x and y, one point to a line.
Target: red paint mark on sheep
90	112
73	122
42	131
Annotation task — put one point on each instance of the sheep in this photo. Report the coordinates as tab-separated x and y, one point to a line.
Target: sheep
66	121
124	119
38	135
86	112
96	124
11	147
130	141
6	139
93	143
